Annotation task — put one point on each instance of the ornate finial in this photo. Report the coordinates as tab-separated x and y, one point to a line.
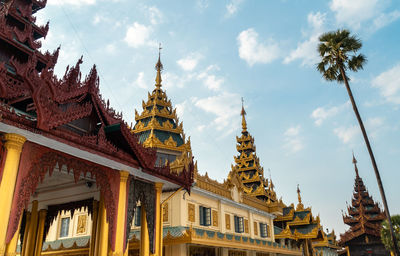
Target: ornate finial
243	113
159	68
300	206
298	193
355	165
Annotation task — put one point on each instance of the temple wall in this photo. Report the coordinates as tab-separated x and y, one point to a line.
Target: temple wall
79	225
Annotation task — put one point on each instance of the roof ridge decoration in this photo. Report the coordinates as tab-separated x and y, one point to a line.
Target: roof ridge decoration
158	126
363	215
300	206
247	166
70	109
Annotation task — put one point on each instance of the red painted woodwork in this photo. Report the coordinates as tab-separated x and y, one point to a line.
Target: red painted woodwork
37	161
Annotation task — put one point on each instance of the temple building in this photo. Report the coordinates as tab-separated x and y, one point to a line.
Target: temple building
364	217
295	227
328	246
216	218
66	154
75	179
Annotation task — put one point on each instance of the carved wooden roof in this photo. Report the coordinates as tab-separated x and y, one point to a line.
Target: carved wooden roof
364	216
70	109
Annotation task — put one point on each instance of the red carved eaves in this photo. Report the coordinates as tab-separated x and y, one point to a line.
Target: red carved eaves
147	156
39	3
37	161
5	30
26	12
89	143
4	8
27	36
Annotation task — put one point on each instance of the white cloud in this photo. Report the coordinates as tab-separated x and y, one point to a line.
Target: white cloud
346	134
212	82
388	83
384	19
253	51
375	122
202	4
320	114
171	80
110	48
71	2
155	15
307	50
354	13
293	141
232	7
138	35
189	62
225	107
140	81
180	108
374	126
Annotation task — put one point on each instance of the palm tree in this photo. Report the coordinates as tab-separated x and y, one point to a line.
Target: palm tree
338	50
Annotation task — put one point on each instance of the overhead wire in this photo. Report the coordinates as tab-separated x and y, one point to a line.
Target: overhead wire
104	81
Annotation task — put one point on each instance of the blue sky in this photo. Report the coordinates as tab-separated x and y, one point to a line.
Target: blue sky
215	52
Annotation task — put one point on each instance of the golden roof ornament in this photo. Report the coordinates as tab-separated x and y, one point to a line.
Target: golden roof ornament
355	165
159	67
243	114
300	206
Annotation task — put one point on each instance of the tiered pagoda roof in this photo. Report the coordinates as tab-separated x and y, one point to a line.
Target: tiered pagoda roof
247	167
298	223
329	241
364	215
158	126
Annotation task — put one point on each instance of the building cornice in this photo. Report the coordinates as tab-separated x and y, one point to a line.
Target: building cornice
231	202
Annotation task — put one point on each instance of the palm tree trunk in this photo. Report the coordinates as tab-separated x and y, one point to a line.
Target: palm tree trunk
371	154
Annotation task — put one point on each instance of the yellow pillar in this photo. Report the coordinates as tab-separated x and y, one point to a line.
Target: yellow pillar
101	246
144	234
94	228
158	235
26	231
39	233
121	215
13	144
12	245
31	236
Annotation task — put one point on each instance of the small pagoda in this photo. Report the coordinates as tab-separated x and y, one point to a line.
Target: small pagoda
298	225
247	167
158	127
364	218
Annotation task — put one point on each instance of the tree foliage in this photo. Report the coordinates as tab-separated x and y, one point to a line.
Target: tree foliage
385	232
338	49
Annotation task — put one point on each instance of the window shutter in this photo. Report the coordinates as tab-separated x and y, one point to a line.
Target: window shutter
201	210
236	224
138	213
207	216
241	225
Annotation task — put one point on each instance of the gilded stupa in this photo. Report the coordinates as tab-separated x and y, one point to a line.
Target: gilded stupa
248	169
158	127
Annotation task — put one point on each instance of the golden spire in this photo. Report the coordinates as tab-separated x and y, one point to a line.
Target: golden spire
300	206
159	68
243	113
355	165
298	194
